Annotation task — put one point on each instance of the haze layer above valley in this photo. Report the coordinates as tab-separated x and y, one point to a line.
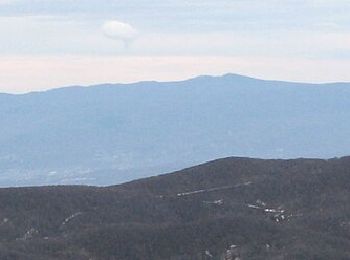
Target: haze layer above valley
107	134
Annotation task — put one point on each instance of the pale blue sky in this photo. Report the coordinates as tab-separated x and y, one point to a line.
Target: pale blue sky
49	43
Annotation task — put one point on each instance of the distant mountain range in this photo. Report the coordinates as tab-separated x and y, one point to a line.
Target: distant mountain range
108	134
227	209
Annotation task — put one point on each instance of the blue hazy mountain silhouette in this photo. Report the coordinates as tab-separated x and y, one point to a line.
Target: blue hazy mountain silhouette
111	133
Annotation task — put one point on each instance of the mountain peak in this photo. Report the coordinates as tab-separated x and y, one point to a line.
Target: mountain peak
233	75
225	77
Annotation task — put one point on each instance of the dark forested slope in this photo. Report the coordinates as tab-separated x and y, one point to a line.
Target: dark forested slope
252	208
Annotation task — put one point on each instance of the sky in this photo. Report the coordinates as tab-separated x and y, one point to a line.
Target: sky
51	43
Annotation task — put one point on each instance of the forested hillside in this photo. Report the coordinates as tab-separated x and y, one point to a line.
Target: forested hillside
233	207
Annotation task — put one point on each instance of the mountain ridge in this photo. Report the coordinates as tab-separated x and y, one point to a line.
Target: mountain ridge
108	134
228	75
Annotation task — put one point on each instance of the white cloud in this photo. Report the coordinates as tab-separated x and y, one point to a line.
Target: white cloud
119	30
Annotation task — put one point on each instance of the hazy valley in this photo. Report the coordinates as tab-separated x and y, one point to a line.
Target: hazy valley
109	134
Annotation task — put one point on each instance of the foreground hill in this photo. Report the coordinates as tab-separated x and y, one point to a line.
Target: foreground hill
251	208
110	134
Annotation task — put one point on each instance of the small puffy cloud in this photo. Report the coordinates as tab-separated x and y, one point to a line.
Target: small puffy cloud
119	30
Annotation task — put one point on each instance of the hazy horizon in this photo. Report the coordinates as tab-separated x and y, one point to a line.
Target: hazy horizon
48	44
169	81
